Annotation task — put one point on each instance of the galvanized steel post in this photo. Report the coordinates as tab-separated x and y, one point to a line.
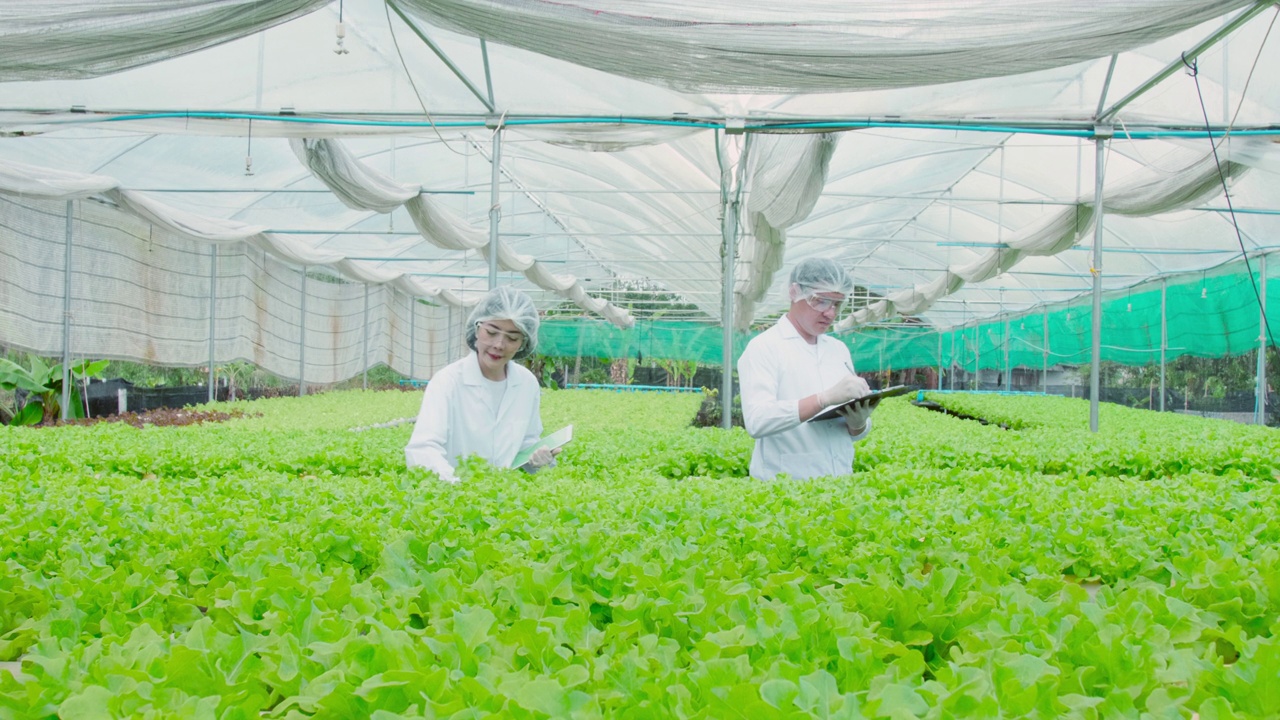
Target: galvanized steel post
302	338
495	206
66	318
364	360
213	311
1164	334
1095	374
1260	412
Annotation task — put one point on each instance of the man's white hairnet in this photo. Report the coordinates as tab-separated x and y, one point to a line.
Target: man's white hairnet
819	275
506	303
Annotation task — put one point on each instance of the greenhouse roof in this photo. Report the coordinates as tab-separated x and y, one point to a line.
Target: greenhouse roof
944	152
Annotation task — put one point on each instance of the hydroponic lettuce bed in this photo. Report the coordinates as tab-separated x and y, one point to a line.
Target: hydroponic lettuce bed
284	566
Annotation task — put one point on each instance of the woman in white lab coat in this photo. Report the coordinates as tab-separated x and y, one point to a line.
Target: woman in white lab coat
484	404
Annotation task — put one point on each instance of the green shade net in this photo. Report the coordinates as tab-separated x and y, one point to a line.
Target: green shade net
1209	314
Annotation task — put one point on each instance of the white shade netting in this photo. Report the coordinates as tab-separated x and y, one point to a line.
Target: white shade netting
813	46
941	151
1155	192
803	46
361	188
786	177
142	292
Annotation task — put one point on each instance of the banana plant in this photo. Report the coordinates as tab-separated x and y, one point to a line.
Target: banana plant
43	385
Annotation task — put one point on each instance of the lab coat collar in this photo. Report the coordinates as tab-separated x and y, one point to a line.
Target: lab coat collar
471	374
788	329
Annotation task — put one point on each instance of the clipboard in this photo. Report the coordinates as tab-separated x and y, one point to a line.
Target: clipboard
550	442
831	413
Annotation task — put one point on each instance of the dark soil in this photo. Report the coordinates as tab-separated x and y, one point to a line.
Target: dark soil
930	405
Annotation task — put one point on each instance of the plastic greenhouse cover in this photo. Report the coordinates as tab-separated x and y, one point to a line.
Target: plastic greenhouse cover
932	184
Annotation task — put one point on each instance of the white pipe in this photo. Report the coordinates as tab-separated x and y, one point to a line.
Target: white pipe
302	337
213	311
495	211
364	361
1261	404
66	319
1095	375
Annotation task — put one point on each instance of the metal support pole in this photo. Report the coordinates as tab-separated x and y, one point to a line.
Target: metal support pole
730	199
939	358
977	357
1008	368
364	360
448	348
729	247
1044	372
953	360
302	338
495	207
1164	334
1095	376
1260	413
66	318
413	338
213	313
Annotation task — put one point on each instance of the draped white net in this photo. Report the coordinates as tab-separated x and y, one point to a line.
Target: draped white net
142	292
361	152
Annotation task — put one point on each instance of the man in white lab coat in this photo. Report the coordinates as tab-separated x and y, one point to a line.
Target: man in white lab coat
484	404
792	371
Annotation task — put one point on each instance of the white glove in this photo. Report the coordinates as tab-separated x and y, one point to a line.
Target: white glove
850	387
857	414
541	458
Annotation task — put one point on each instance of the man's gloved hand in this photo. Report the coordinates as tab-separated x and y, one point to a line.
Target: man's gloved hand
857	415
542	457
850	387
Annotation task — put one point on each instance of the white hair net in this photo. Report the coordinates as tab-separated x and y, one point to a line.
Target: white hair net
506	303
819	275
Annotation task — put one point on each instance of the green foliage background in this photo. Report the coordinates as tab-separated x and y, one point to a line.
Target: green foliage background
287	566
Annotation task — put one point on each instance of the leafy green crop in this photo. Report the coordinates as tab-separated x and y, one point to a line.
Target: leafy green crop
285	566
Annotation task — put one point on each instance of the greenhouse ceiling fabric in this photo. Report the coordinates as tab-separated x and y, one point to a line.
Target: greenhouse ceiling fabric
362	188
619	182
816	46
723	46
786	177
47	39
20	180
1152	193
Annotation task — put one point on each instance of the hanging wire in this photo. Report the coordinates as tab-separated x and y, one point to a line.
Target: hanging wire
386	6
1194	71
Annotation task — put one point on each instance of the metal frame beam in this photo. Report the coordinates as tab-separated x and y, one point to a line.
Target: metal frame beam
487	101
1245	16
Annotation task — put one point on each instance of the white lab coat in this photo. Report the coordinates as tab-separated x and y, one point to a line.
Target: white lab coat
777	369
457	418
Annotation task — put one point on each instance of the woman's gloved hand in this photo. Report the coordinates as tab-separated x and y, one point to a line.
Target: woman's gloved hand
542	457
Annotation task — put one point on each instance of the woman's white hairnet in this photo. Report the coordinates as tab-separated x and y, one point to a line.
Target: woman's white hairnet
506	303
819	275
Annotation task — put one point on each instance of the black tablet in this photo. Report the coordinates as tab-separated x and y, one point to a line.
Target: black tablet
832	413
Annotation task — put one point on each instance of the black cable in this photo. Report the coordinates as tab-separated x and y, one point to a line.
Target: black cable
1194	70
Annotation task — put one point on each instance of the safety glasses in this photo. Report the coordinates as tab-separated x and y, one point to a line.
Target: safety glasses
823	304
491	332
